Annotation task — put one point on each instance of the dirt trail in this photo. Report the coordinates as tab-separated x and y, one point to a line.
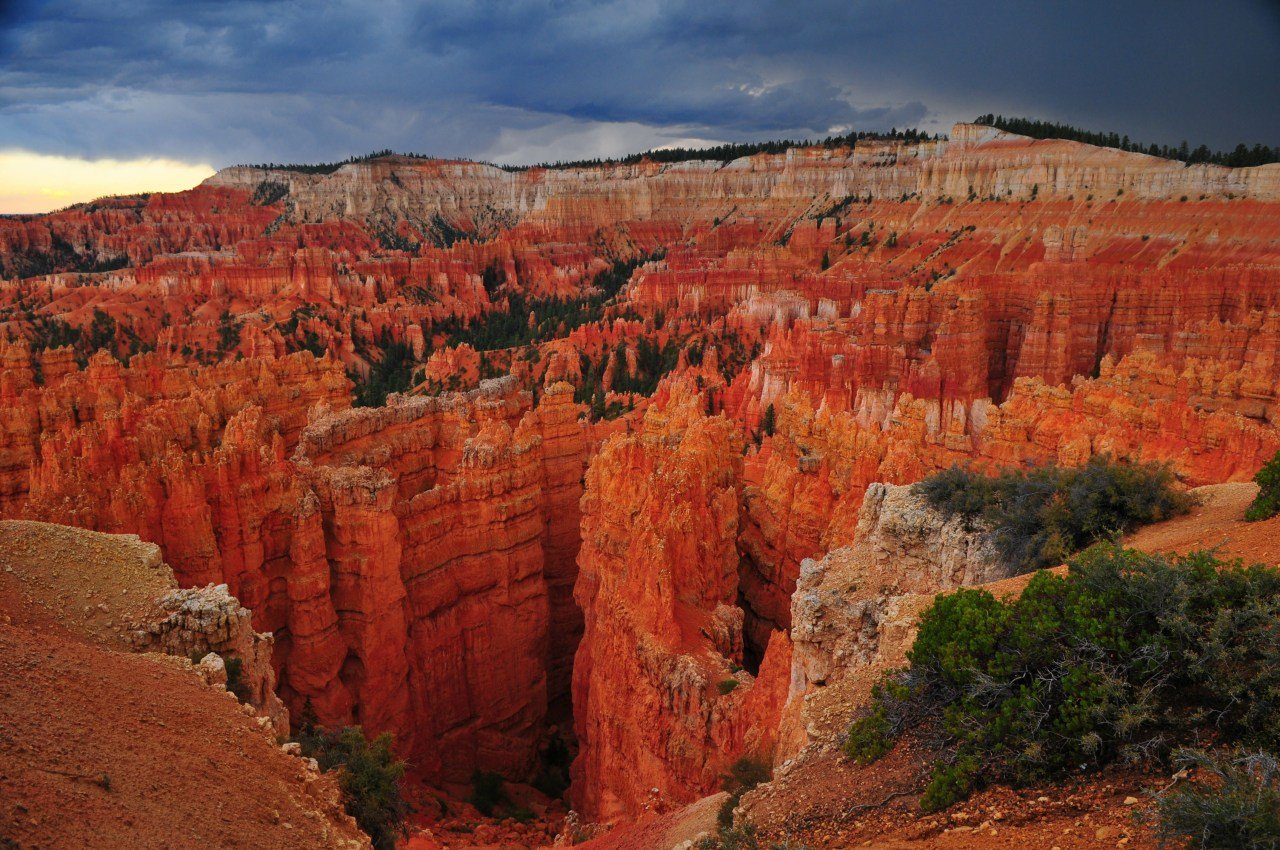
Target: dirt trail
1216	523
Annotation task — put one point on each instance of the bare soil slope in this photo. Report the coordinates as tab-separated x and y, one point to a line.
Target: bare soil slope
1216	523
107	749
94	586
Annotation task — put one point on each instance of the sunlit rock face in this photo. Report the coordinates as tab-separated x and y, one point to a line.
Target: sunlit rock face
409	559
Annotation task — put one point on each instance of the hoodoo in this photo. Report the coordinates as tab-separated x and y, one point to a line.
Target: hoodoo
608	463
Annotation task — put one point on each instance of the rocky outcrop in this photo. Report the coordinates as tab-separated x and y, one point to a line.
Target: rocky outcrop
132	603
109	702
853	613
209	624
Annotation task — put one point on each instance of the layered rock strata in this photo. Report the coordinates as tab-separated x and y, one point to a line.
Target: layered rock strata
662	704
836	318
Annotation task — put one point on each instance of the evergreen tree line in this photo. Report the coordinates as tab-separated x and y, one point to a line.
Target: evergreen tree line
330	167
730	152
1241	156
721	153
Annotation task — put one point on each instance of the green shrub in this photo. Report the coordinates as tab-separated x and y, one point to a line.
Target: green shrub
744	774
1037	518
1267	503
727	686
1124	657
521	814
235	677
1239	808
870	737
370	778
488	792
553	776
958	491
950	783
235	673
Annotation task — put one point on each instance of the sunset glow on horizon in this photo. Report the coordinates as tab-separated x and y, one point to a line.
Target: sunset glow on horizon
36	183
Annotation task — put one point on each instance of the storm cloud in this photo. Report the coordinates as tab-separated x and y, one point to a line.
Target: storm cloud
226	81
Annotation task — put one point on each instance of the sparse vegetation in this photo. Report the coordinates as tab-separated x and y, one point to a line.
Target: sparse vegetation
234	666
1124	658
1267	503
391	370
744	774
553	776
235	677
1038	517
489	796
488	792
228	332
370	778
1237	809
742	837
269	192
527	320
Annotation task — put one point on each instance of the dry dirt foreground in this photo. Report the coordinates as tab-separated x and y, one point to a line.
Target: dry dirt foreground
102	748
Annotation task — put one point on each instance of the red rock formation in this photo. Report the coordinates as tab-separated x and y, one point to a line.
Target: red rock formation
78	428
410	560
660	700
901	307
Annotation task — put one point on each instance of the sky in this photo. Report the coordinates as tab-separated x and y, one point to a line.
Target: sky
107	96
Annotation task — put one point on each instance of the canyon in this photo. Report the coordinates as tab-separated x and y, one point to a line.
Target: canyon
501	457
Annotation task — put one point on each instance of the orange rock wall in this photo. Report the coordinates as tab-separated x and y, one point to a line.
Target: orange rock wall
657	586
411	560
988	299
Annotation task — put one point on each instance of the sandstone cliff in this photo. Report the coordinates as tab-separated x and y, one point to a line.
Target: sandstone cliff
815	322
662	704
409	560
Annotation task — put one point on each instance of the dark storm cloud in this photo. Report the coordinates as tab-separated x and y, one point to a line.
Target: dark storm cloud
230	80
